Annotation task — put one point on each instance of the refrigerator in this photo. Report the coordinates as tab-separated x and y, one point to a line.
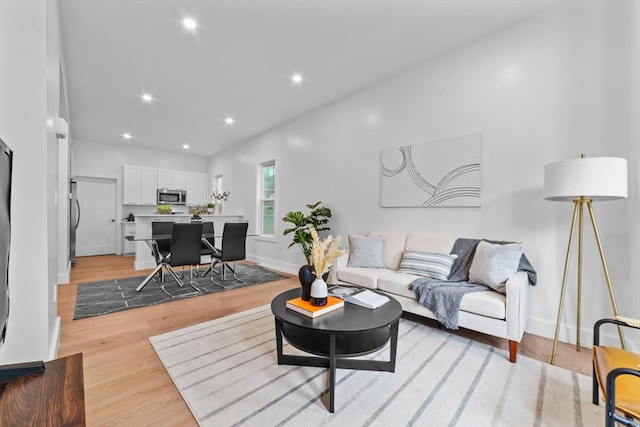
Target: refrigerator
74	218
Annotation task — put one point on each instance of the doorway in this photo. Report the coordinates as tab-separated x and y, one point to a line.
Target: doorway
96	232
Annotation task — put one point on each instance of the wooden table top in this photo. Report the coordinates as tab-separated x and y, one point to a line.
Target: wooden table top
53	397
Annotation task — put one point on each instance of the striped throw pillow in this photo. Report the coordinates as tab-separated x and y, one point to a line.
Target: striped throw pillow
436	266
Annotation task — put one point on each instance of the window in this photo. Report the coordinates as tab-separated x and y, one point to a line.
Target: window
217	182
267	198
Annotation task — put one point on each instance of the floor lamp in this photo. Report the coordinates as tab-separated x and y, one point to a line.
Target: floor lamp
583	181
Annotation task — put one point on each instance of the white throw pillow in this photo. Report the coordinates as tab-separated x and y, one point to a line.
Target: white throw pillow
426	264
493	264
365	252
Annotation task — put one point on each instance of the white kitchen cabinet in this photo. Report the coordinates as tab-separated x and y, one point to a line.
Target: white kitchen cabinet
164	178
128	246
197	191
131	185
148	186
172	179
139	185
178	180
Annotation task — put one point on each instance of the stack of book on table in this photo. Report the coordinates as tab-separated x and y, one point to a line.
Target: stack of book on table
359	296
310	310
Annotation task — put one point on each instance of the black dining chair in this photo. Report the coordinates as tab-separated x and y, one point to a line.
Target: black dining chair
161	247
234	238
184	251
208	249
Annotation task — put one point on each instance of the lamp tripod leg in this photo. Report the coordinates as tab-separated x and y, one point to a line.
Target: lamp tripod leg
579	294
564	284
606	273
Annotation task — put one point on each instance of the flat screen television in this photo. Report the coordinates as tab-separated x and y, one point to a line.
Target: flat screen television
8	372
6	163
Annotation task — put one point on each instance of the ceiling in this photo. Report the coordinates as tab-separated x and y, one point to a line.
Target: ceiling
239	60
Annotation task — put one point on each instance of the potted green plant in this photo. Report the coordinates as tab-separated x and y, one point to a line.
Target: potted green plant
317	219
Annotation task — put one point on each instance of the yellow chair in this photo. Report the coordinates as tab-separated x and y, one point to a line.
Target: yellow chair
617	373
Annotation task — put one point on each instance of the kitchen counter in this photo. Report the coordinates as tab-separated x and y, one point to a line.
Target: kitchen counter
144	259
182	215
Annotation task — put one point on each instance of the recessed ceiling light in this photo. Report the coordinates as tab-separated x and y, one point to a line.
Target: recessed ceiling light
297	78
185	146
127	135
190	24
147	97
229	120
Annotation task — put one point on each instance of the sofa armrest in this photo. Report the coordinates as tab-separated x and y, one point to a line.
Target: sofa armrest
338	264
517	309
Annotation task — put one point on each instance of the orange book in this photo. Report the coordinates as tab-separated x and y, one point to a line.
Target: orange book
309	310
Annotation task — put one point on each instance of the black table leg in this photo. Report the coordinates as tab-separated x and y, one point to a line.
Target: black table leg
149	277
279	340
394	346
332	371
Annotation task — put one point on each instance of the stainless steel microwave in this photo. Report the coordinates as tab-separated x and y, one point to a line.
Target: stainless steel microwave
171	197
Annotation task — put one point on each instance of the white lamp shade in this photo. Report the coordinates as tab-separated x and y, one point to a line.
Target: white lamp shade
596	178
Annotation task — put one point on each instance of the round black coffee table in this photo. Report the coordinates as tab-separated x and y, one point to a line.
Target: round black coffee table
336	336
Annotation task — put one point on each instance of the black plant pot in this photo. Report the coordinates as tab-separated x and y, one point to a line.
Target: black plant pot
306	277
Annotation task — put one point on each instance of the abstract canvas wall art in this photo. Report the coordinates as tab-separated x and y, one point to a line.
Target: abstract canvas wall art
443	173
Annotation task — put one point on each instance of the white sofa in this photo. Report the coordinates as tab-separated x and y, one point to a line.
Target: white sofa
490	312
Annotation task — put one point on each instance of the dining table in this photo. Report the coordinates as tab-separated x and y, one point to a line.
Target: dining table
152	242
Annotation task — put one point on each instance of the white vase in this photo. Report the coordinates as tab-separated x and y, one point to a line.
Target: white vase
219	207
319	292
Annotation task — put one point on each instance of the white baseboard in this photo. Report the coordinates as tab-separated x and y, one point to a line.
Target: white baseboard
55	342
567	334
65	277
284	267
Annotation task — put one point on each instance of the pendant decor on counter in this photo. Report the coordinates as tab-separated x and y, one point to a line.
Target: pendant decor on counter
306	277
319	292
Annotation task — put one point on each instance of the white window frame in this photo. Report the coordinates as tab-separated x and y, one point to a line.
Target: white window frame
217	182
261	199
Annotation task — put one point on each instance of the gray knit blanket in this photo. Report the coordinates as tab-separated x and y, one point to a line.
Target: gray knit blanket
443	297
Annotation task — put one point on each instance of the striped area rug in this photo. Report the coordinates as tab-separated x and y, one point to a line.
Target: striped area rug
227	373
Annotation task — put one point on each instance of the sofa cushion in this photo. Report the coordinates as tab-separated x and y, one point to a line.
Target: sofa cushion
493	264
486	303
360	276
393	248
398	284
365	252
433	243
426	264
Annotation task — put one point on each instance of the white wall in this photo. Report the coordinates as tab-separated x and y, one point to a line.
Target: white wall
106	161
29	97
53	150
634	160
545	90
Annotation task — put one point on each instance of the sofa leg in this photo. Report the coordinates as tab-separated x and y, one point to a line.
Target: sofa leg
513	351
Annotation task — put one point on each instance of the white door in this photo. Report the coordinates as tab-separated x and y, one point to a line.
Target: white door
96	233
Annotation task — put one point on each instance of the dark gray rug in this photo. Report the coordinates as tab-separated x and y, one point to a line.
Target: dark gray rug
110	296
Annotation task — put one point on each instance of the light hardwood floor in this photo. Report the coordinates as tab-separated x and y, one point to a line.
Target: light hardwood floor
125	383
